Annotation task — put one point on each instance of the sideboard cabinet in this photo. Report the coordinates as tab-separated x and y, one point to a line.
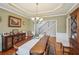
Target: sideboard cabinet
9	40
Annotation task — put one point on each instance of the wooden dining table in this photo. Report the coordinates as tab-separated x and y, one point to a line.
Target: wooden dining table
40	47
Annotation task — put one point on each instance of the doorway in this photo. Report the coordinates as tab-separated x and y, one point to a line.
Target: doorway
49	27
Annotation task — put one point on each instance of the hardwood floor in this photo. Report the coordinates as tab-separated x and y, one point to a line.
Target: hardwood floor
66	50
13	50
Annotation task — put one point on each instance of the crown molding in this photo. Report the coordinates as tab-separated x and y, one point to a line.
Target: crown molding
13	11
72	8
22	13
55	15
50	11
18	8
31	12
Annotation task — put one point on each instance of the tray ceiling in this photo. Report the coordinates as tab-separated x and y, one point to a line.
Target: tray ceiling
44	9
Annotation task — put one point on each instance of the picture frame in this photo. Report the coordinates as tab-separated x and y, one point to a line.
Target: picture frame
14	21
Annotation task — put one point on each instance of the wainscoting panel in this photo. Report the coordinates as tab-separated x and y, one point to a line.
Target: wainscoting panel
63	38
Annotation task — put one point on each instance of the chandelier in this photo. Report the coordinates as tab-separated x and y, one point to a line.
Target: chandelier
37	19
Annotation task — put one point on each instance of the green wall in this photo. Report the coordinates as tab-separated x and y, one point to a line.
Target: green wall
61	23
26	24
4	22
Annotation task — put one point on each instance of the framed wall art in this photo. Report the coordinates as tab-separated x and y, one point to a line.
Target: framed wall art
14	21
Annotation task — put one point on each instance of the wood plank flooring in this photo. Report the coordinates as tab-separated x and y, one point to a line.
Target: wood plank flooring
12	51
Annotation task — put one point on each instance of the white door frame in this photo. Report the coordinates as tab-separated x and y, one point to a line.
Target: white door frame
67	28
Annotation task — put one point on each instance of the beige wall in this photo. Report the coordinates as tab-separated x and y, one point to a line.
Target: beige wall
61	23
4	22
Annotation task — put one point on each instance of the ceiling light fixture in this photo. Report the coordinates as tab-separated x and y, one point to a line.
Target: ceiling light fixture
37	19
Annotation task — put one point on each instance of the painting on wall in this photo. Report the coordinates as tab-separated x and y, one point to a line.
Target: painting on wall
14	21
